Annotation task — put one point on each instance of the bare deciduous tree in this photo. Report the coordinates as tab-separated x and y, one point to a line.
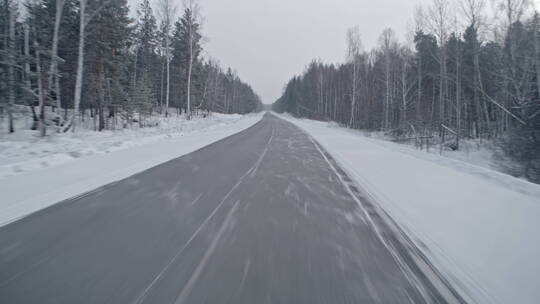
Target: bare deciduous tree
167	11
439	23
388	44
194	8
83	20
419	20
354	43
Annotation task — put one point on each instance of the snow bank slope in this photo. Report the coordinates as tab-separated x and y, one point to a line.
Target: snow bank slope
23	151
480	227
99	161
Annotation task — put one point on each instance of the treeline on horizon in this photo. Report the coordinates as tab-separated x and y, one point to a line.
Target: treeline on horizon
462	75
67	60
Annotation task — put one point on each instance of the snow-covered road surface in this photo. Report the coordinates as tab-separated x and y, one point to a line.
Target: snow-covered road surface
264	216
99	160
481	228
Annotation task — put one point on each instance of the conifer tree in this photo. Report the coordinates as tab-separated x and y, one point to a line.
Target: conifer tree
109	33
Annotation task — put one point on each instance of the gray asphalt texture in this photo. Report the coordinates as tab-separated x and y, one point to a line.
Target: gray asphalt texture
264	216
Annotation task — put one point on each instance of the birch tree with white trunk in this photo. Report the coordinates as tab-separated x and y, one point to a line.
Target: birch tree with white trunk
194	8
167	11
439	22
53	71
83	20
388	44
354	47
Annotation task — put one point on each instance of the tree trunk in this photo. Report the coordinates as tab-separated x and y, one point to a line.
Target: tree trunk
353	101
458	96
387	94
442	88
537	51
168	75
80	67
41	123
11	62
101	96
190	69
161	89
28	82
404	92
419	100
54	59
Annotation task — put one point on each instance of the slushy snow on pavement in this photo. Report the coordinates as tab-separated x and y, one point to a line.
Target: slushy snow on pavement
478	226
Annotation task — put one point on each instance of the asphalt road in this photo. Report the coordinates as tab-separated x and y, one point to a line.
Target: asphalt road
264	216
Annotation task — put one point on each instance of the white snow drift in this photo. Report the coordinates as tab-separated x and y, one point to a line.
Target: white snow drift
480	227
36	173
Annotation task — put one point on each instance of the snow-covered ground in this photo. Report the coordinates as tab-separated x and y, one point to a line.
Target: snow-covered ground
24	151
477	152
480	227
36	173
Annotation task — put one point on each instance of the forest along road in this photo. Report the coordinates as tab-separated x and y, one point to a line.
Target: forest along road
260	217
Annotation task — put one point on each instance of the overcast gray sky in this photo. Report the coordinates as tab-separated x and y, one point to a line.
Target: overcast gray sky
269	41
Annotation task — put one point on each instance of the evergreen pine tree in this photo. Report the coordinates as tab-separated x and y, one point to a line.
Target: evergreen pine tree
109	34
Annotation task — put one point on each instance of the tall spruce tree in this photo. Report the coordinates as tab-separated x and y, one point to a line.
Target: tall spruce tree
109	34
146	72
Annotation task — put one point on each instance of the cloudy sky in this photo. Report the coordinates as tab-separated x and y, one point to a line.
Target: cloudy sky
269	41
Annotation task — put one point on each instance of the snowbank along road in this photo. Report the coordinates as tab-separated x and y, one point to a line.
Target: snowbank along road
263	216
